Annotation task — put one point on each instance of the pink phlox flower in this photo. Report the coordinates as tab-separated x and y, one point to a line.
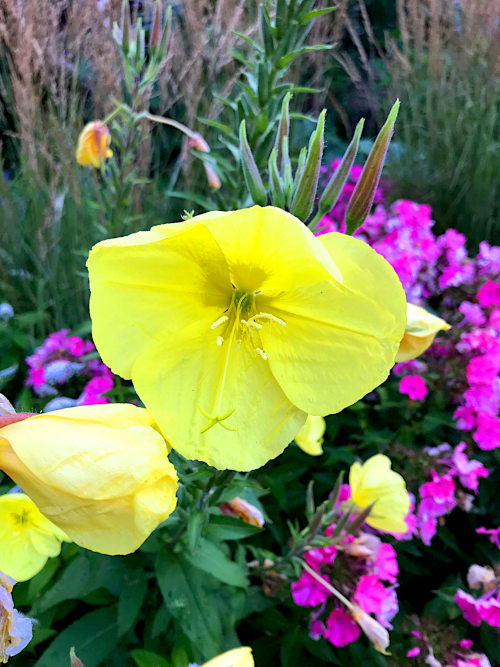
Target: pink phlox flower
36	378
489	294
473	313
370	593
489	611
390	608
469	470
466	643
307	592
320	555
494	534
427	525
469	607
413	386
479	340
316	629
409	367
487	434
494	321
483	369
488	259
410	520
455	275
440	493
484	397
413	652
341	628
385	565
94	390
465	418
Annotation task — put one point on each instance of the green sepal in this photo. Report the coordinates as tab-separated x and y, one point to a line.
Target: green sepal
283	128
275	186
362	198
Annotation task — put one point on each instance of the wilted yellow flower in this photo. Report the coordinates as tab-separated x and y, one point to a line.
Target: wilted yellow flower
27	538
237	657
99	472
310	436
244	510
16	631
93	145
421	329
375	482
234	325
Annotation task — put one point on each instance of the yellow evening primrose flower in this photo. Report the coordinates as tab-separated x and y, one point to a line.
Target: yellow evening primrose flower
93	145
375	482
237	657
99	472
421	329
234	325
310	436
27	538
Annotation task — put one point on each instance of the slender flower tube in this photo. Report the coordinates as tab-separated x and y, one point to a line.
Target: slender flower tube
234	325
421	329
99	472
27	538
93	145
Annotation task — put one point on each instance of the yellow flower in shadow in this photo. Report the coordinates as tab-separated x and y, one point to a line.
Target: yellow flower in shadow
93	145
421	329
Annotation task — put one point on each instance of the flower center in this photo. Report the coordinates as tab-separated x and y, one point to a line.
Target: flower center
239	322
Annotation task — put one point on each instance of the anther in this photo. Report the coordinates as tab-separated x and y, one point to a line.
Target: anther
219	340
261	353
220	320
269	316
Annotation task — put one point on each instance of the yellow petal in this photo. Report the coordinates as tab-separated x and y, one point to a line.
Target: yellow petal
375	482
27	538
148	284
310	436
421	329
237	657
107	483
196	380
340	340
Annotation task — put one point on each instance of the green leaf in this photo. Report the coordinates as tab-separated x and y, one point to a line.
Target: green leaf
204	202
145	658
229	528
94	637
315	13
285	60
208	557
130	602
189	596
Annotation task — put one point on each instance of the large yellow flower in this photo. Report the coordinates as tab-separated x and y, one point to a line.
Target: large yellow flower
27	538
99	472
237	657
421	329
93	145
234	325
375	482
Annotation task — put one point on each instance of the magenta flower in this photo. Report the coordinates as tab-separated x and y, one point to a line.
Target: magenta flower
469	470
370	593
489	611
413	652
307	592
413	386
469	607
483	369
494	534
316	629
489	294
341	628
487	435
386	564
316	557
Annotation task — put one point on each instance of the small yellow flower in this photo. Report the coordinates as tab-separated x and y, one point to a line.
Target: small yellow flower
375	482
27	538
421	329
237	657
93	145
310	436
99	472
234	325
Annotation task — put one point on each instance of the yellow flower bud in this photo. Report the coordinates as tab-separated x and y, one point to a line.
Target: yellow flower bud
99	472
375	482
27	538
310	436
93	145
421	329
237	657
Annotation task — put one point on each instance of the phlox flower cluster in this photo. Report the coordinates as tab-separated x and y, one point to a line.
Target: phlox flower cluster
60	366
486	607
364	569
455	654
447	488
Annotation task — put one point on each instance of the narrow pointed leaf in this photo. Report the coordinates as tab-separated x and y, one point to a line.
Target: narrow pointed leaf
305	192
283	128
275	186
250	171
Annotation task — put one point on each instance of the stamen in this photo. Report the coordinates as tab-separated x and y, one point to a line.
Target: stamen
220	320
269	316
219	340
261	353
